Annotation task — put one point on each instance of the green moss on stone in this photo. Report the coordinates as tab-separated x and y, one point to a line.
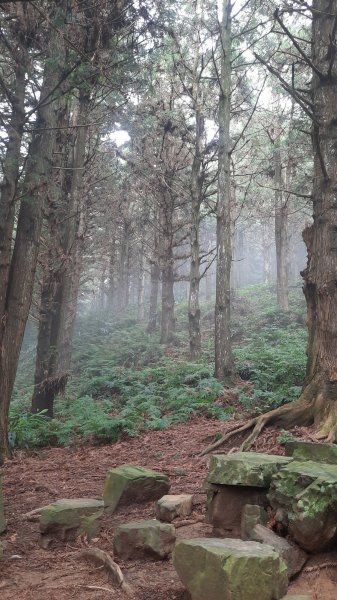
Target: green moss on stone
230	569
245	468
319	453
133	483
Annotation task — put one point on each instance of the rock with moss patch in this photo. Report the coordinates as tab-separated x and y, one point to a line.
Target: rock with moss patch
244	469
306	492
130	483
230	569
2	513
252	514
293	556
323	453
170	507
67	518
144	539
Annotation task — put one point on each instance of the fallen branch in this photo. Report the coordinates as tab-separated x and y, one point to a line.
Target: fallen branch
103	558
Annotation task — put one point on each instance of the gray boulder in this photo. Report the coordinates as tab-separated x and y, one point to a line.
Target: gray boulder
144	539
171	506
67	518
324	453
130	483
293	556
304	496
244	468
230	569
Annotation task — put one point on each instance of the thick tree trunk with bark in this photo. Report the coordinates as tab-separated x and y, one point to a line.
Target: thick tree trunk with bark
47	384
24	259
11	165
224	362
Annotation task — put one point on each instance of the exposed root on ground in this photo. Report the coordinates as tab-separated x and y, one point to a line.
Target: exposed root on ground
316	405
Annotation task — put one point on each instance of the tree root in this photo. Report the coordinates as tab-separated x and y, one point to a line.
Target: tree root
299	412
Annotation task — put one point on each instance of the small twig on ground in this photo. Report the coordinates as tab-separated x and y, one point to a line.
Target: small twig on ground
98	587
33	515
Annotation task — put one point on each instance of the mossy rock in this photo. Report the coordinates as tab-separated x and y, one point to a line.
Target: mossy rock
322	453
306	492
227	569
130	483
2	513
149	538
67	518
245	468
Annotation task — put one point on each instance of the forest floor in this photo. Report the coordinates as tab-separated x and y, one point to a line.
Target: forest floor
36	478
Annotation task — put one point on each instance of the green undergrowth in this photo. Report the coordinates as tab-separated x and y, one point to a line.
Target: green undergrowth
124	381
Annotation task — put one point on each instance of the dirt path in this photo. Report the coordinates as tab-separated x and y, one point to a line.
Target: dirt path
35	479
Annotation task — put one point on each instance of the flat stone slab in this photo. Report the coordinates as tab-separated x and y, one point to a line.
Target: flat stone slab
144	539
2	514
130	483
293	556
324	453
171	506
304	495
226	569
225	505
65	519
245	468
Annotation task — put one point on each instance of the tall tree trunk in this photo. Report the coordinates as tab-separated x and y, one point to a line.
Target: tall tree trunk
73	241
224	362
281	230
196	199
141	287
46	382
24	259
11	165
153	304
167	270
318	401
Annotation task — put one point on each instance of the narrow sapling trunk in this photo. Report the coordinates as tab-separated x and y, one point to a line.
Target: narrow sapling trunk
196	199
281	230
224	362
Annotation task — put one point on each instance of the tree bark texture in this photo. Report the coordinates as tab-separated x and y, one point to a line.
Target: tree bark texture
281	229
196	199
24	259
167	268
224	362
